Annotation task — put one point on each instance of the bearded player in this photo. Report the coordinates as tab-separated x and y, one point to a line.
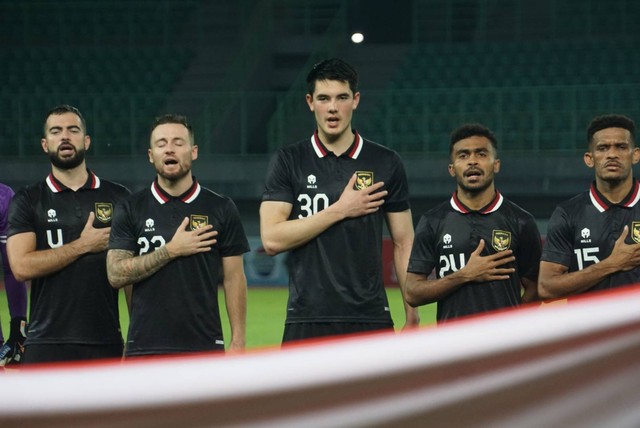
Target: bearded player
58	235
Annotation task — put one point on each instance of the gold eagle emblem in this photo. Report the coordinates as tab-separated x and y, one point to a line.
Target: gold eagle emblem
198	221
500	240
635	231
364	179
104	211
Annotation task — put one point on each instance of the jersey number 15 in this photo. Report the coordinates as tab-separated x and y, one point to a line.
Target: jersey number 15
586	255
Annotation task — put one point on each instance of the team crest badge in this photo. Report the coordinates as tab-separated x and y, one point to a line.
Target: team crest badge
198	221
501	240
364	179
635	231
104	211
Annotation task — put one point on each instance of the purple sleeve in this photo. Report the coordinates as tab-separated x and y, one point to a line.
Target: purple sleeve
16	290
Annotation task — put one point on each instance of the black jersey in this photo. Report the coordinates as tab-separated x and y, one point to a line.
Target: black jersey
583	230
75	305
176	309
337	276
448	234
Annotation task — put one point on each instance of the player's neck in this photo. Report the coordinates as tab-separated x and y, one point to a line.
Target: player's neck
615	191
176	187
476	200
73	178
337	144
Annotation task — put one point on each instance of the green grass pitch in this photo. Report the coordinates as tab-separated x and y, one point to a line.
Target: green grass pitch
266	309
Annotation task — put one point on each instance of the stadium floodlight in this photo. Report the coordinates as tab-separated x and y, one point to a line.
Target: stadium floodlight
357	37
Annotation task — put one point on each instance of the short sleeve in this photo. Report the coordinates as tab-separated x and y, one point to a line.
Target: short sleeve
422	256
398	187
529	250
6	193
233	240
558	246
278	186
122	235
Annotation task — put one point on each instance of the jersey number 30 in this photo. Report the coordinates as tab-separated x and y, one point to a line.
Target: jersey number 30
311	206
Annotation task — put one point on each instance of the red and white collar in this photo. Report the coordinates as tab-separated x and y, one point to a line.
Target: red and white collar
187	197
93	182
353	152
602	204
493	206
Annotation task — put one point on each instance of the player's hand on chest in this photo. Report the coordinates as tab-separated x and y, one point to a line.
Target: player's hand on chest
62	222
191	233
319	189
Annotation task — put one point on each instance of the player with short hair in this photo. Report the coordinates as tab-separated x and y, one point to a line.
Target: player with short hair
170	241
11	352
593	238
485	249
58	235
325	201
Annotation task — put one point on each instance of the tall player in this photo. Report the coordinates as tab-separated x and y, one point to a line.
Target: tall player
593	239
485	249
170	241
58	235
12	352
325	200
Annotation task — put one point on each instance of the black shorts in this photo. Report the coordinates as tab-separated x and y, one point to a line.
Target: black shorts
309	330
53	353
214	349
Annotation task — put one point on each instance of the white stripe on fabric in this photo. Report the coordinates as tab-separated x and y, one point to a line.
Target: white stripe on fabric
195	194
596	204
51	184
156	195
316	147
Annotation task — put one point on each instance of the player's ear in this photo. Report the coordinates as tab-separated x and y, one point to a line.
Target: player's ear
452	172
309	98
87	142
149	154
496	166
636	155
43	143
194	152
356	100
588	159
